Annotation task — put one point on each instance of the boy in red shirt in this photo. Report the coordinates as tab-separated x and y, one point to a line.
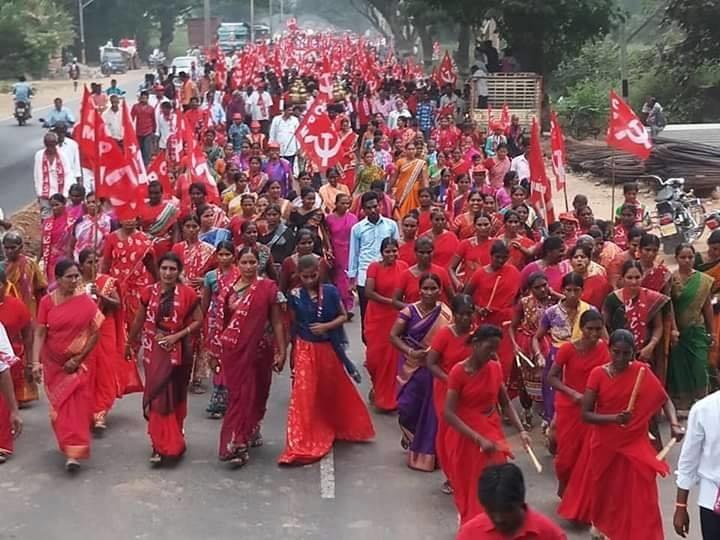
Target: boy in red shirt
501	491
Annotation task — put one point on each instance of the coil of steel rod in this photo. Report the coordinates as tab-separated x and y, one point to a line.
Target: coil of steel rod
698	163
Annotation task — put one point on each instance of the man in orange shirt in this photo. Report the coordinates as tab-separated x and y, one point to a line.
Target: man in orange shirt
188	90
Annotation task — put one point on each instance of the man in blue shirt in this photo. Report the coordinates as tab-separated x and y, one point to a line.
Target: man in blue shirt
365	239
22	90
58	115
425	115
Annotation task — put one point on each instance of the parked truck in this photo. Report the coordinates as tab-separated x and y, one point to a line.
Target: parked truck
521	92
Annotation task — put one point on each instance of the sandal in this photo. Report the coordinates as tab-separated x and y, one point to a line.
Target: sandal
196	387
155	459
447	488
72	465
239	458
405	443
3	457
257	440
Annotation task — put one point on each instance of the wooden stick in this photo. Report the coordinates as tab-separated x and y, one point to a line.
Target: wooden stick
636	389
533	458
527	360
666	449
494	290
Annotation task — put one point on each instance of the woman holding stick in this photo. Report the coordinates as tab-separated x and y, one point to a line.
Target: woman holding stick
494	289
568	375
475	438
620	399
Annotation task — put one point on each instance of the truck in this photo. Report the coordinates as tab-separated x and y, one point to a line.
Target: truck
196	31
521	92
233	36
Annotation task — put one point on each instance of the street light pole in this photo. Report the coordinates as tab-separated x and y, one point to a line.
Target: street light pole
206	15
270	17
81	16
252	21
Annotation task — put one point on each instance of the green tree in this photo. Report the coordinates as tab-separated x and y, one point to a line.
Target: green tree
699	22
31	31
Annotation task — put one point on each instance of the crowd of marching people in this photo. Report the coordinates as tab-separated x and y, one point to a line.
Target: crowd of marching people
477	309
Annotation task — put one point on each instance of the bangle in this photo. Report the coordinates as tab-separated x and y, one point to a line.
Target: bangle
680	505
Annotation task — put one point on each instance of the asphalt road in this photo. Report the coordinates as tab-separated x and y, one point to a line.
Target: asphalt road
360	492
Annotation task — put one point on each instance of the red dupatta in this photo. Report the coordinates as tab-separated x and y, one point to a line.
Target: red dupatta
216	312
197	258
156	326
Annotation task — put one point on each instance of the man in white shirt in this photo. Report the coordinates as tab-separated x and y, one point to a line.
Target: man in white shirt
699	464
6	387
70	151
258	104
400	110
165	124
282	131
113	118
521	166
52	174
216	111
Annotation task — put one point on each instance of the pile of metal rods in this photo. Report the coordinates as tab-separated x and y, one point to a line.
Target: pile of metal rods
698	163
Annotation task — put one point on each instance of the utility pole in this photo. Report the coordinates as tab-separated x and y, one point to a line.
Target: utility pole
270	18
282	10
252	21
206	15
81	16
623	61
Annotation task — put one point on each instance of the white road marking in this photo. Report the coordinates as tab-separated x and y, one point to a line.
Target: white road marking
327	476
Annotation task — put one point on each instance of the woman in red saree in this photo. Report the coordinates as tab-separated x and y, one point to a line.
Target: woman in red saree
568	375
56	240
520	246
474	252
406	249
305	241
198	258
17	323
622	483
407	288
158	218
494	289
129	258
449	346
67	330
169	313
112	373
595	284
244	348
380	355
424	211
445	243
464	224
324	406
474	438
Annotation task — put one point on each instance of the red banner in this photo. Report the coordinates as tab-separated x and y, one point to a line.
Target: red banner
540	189
447	73
318	137
625	131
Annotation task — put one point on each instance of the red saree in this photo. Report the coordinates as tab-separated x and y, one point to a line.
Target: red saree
445	245
167	373
380	355
69	326
246	355
596	286
506	283
158	222
573	435
406	253
477	407
452	349
464	226
409	283
623	467
473	254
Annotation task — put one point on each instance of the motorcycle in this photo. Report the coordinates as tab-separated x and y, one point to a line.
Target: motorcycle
680	214
22	112
156	59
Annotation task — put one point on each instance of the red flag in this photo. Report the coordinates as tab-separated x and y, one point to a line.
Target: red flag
318	137
133	155
447	73
540	189
557	143
626	131
199	171
505	117
325	81
84	133
158	171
